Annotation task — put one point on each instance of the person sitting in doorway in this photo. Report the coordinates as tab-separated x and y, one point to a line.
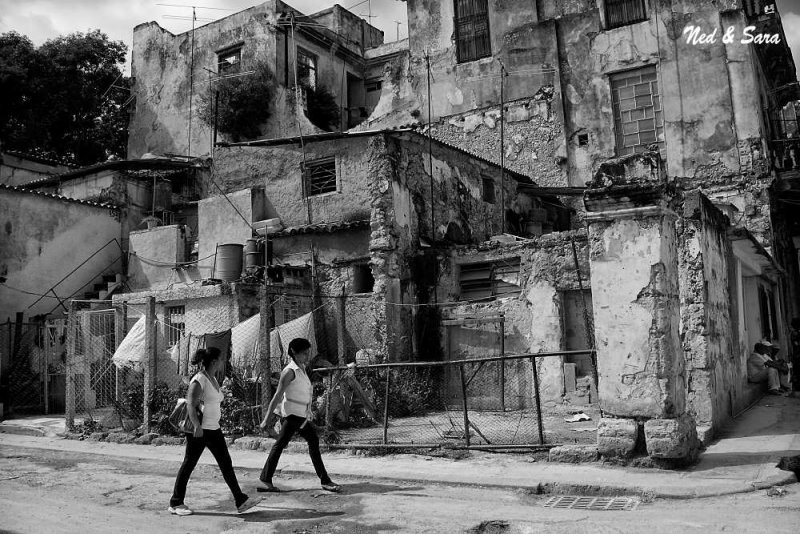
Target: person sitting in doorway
763	367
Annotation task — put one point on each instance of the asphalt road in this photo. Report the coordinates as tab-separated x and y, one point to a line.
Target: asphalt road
48	491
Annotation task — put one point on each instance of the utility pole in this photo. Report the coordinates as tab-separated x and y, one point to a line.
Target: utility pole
502	148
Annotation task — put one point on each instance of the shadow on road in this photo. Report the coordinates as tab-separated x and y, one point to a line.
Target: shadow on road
262	515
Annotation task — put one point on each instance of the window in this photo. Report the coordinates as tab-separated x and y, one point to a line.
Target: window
363	281
769	320
487	190
320	177
176	324
484	280
293	307
297	277
229	61
623	12
373	86
636	104
306	69
472	30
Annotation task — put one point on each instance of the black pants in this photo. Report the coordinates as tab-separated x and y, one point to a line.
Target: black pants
215	441
290	425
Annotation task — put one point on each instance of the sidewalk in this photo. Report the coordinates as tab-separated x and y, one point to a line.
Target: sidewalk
743	460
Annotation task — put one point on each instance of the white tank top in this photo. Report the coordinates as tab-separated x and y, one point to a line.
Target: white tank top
212	402
297	396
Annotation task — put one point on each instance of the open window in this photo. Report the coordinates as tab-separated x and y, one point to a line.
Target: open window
229	61
491	279
320	176
306	68
363	281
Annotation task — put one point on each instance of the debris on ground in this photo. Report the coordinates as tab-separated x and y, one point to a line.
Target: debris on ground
578	417
775	492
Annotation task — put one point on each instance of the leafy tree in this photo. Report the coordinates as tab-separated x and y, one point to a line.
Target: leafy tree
64	99
323	111
244	103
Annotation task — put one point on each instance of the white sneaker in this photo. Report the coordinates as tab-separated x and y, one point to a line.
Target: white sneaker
181	509
249	503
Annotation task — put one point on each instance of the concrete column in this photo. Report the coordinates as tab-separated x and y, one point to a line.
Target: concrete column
635	295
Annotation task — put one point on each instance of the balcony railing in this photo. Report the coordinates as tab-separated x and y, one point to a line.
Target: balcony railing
786	153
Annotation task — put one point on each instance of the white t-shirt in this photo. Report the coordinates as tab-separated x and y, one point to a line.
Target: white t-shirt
212	402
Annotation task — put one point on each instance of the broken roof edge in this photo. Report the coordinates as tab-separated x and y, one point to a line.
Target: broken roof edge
125	164
742	234
329	136
102	205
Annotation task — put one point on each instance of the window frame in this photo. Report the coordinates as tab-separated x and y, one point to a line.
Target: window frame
624	5
302	52
487	181
625	99
494	284
472	14
231	68
175	326
311	167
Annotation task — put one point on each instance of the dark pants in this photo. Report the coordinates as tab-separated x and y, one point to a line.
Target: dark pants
215	441
289	426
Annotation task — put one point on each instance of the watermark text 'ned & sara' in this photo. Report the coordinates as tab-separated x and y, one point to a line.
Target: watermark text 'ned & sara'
695	35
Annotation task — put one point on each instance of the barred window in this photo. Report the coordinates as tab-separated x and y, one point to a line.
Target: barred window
489	279
306	68
176	324
624	12
229	61
472	30
320	176
638	119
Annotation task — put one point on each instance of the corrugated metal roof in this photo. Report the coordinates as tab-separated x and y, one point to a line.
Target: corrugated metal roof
104	205
321	228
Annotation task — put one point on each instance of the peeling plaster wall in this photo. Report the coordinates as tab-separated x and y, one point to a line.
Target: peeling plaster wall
38	238
635	300
716	375
534	319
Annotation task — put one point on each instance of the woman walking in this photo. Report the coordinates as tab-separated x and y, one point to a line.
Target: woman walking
292	402
204	393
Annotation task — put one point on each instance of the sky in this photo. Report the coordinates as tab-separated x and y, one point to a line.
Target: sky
44	19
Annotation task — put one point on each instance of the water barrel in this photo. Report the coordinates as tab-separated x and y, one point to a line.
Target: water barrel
229	262
253	253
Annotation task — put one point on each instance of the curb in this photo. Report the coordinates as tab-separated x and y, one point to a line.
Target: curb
538	487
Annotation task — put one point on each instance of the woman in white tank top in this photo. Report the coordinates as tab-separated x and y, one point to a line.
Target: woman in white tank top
292	402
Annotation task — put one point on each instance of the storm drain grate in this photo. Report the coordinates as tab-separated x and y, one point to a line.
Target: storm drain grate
592	503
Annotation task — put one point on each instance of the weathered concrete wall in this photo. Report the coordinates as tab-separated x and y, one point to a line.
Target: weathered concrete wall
160	66
635	299
218	223
153	255
715	377
534	318
39	240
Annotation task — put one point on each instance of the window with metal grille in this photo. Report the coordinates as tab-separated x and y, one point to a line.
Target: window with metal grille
320	176
306	68
487	192
297	277
624	12
373	86
636	104
229	61
472	30
176	324
485	280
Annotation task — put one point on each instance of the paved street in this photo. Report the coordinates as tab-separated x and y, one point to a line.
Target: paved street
58	491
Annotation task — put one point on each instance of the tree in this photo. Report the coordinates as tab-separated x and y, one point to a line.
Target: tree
244	103
323	111
64	99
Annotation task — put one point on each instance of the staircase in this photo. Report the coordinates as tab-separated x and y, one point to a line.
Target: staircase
102	290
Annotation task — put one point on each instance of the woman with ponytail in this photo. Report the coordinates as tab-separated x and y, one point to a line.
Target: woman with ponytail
204	395
292	402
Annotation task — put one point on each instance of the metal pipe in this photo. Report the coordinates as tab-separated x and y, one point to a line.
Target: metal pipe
464	403
538	401
502	366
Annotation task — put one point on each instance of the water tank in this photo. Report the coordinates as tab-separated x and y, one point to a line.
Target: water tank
229	262
253	253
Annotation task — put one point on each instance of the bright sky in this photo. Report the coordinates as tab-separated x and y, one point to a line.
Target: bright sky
43	19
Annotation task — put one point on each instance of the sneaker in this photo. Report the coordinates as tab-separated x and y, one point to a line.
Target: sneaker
331	486
181	509
249	503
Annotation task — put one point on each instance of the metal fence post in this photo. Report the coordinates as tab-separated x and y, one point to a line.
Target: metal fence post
464	403
119	335
502	366
386	406
264	356
538	401
341	329
149	364
69	400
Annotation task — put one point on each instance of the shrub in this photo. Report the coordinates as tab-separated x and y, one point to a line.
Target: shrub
323	111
